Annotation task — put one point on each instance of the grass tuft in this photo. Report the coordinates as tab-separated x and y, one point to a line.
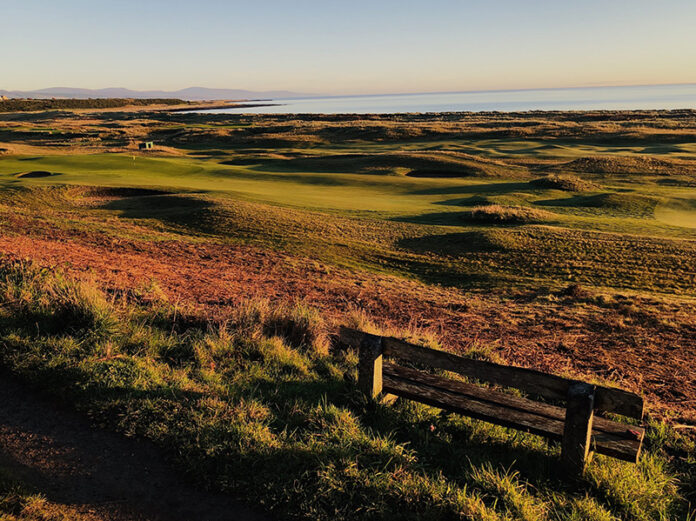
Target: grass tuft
53	303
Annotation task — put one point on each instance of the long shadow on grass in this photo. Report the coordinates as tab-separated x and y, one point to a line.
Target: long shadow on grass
222	452
453	244
484	188
434	218
445	443
177	209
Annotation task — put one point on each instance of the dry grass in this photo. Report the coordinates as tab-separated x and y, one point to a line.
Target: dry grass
565	182
629	165
499	214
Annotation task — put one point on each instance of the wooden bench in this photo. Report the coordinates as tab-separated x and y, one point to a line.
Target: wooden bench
579	425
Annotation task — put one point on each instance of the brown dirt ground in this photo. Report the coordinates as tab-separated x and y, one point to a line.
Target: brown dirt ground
97	475
642	344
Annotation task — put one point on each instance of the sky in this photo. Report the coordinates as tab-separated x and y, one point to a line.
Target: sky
347	46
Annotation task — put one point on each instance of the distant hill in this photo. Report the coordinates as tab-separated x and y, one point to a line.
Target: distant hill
191	93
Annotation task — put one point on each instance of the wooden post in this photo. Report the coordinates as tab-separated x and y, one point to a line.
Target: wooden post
370	365
577	431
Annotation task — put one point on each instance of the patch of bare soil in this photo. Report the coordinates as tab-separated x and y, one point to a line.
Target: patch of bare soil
641	344
97	473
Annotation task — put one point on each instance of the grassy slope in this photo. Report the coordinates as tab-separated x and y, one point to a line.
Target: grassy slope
410	226
259	391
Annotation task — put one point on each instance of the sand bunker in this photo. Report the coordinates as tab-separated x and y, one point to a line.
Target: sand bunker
34	174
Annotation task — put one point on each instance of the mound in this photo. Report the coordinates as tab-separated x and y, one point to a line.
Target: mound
34	174
626	165
617	203
499	214
569	183
413	164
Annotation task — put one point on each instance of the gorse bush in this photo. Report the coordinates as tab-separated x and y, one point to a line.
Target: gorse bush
255	406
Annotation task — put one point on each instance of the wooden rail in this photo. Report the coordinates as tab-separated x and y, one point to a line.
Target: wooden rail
579	425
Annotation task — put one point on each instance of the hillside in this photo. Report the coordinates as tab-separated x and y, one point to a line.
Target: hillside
188	297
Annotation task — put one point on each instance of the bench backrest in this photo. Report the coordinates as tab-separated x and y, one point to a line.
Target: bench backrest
529	381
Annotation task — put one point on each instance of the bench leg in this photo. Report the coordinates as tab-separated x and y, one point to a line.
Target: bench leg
575	447
370	366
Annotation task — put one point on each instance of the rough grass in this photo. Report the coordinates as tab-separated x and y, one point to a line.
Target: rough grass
441	247
627	165
255	406
499	214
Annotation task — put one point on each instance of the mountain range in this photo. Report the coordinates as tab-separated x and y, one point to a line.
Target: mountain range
191	93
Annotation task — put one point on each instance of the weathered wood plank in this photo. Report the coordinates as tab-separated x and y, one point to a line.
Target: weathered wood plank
481	410
370	365
577	431
601	425
527	380
608	437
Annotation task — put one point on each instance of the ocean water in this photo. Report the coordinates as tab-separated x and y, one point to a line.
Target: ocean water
585	98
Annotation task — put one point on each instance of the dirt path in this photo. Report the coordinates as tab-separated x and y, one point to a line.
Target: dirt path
104	475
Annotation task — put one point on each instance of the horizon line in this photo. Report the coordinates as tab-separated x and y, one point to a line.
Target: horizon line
402	93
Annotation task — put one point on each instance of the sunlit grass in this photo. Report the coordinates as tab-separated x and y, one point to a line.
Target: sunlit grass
260	391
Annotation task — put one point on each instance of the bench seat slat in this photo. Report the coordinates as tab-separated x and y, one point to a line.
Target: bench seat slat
608	437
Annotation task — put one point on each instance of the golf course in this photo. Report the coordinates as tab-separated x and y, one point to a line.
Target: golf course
188	296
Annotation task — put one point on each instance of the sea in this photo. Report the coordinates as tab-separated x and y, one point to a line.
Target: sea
648	97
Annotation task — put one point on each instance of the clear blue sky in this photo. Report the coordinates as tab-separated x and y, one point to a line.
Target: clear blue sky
347	46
